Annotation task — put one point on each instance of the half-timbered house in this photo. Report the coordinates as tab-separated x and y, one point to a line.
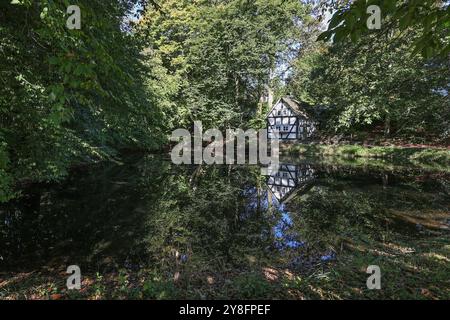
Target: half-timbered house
291	120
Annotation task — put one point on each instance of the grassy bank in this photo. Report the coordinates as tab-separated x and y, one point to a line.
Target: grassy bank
415	156
416	270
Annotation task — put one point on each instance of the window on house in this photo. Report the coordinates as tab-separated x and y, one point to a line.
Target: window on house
285	128
278	128
279	113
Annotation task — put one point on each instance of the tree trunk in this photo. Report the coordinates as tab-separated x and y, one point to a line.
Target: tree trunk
387	126
236	89
260	108
270	97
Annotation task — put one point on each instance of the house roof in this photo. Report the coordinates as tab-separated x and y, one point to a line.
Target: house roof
296	106
300	108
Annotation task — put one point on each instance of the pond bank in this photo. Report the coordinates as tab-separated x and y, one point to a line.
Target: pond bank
439	157
145	229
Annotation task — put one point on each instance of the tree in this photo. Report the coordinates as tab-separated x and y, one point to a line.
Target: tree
70	96
429	20
371	83
220	54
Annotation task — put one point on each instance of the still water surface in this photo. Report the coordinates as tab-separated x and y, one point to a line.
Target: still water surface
150	213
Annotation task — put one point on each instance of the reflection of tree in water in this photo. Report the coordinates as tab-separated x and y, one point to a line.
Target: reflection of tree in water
190	223
286	183
139	214
348	210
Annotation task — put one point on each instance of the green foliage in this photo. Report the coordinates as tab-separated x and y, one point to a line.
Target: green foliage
375	225
70	96
157	231
416	156
5	179
253	286
218	55
159	289
371	86
431	17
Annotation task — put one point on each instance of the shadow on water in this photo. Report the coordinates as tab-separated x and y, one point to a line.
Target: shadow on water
196	221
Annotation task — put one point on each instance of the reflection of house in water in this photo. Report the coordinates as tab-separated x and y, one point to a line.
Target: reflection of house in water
288	180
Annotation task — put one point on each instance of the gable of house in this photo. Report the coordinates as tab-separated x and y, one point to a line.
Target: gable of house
288	118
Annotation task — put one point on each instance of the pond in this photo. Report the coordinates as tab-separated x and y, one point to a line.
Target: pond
306	230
